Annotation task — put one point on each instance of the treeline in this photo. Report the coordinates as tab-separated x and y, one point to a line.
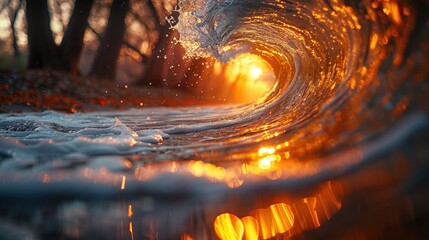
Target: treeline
134	28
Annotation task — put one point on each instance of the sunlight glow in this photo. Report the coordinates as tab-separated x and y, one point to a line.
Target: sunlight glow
255	72
266	150
265	163
250	77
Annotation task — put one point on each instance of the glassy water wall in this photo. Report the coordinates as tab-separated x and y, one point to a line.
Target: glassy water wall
330	139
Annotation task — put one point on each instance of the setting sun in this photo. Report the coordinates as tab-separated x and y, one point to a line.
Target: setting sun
255	72
250	77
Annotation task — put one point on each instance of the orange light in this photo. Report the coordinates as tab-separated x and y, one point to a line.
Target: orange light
329	198
266	150
251	228
123	182
280	218
210	171
265	163
130	210
131	230
249	76
255	72
265	221
228	226
186	237
173	167
283	217
267	157
306	213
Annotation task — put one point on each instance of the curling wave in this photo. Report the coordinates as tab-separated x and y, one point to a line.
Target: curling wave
349	104
351	80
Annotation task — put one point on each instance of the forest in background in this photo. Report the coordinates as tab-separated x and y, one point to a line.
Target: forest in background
126	40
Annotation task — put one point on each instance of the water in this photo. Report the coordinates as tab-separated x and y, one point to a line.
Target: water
337	149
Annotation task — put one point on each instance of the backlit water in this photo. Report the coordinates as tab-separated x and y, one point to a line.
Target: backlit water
338	148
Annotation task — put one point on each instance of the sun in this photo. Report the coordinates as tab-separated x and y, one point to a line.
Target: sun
250	77
255	72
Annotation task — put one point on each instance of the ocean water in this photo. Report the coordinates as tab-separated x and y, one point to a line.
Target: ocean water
338	148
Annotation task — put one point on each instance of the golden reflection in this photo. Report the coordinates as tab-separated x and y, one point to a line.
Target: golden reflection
329	200
186	237
306	213
392	9
265	221
123	182
251	228
130	210
267	157
270	162
197	168
265	163
276	219
228	226
280	218
173	167
131	230
210	171
266	150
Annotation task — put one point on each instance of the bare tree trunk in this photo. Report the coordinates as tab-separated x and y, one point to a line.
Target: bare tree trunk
15	47
42	50
72	43
104	65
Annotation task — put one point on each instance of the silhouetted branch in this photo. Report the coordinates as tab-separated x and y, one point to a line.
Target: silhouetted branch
12	27
136	50
125	42
5	5
92	29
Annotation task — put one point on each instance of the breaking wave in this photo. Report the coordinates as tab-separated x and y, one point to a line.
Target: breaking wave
351	83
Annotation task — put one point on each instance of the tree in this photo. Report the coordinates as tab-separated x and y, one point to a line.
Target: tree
104	65
13	14
72	42
42	50
43	53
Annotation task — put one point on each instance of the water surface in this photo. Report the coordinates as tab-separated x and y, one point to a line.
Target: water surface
336	149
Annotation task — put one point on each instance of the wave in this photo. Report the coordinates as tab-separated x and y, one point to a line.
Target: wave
351	81
344	75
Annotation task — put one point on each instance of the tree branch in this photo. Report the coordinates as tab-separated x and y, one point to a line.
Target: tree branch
12	26
136	50
125	42
94	31
4	5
